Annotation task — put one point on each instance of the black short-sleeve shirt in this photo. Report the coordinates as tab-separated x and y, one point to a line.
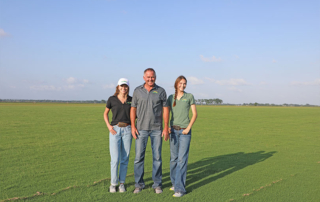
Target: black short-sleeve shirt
120	112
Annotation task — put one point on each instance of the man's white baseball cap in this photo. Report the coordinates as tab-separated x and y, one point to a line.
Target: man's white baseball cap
123	81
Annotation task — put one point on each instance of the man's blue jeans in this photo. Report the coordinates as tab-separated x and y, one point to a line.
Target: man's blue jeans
156	145
120	145
179	149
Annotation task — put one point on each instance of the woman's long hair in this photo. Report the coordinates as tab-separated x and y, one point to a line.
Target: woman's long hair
176	88
118	91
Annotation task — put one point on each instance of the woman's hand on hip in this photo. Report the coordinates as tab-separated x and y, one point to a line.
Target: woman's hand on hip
186	131
113	132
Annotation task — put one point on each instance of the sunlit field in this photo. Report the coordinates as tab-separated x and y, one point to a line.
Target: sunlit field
60	152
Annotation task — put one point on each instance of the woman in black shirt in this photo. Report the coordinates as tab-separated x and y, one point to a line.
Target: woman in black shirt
120	137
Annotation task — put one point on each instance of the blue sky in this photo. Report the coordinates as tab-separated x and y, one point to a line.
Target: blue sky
238	51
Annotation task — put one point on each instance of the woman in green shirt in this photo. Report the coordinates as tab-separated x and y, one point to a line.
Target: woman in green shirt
180	134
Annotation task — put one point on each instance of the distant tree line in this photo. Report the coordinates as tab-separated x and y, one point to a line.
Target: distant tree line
55	101
215	101
284	105
218	101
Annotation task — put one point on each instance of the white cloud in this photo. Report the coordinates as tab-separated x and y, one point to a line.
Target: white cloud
210	79
235	89
70	87
109	86
236	56
194	80
70	83
274	61
85	81
71	80
73	86
3	33
311	83
77	82
263	83
210	59
230	82
56	88
45	88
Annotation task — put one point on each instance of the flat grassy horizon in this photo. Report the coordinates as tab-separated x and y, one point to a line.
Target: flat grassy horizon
60	152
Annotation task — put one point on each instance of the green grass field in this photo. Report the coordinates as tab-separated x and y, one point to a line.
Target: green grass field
60	152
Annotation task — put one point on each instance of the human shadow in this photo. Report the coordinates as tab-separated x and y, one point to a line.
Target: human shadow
210	169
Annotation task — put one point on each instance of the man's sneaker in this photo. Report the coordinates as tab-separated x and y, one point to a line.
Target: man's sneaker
178	194
137	190
172	188
158	190
112	189
122	188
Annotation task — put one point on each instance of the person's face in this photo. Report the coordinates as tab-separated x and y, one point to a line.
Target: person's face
149	78
123	89
182	85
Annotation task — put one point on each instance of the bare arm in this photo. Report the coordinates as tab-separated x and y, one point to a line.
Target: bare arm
133	114
106	119
193	119
169	129
165	131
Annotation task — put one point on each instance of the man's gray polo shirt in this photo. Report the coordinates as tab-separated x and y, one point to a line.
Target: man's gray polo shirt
149	107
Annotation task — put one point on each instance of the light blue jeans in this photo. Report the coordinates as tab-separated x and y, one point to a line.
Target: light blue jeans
156	145
120	145
179	149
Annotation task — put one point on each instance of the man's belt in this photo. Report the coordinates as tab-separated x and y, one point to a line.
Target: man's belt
121	124
177	128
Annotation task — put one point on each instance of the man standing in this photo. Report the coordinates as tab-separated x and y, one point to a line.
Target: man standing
149	104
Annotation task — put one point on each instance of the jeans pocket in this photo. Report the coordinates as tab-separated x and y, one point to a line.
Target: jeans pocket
189	133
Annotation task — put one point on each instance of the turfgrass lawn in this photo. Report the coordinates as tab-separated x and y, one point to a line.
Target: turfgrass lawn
237	154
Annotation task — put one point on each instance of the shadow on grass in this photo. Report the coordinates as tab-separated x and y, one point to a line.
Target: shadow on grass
210	169
207	170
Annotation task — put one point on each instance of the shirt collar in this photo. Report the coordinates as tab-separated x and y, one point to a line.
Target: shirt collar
184	94
128	96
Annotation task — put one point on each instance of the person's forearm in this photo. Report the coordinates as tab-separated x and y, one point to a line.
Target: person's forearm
106	118
194	117
133	114
166	117
108	124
